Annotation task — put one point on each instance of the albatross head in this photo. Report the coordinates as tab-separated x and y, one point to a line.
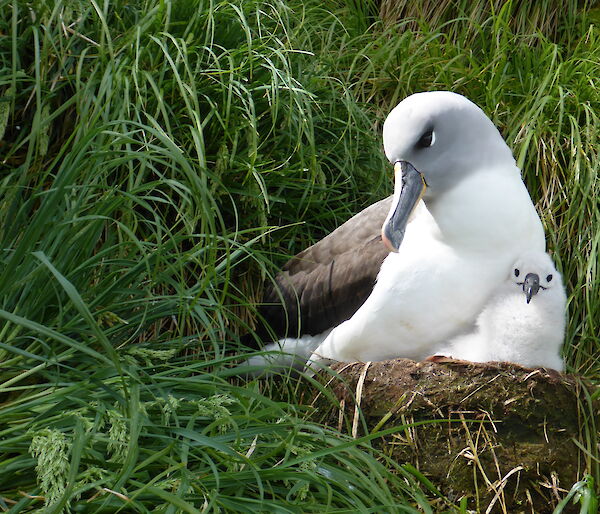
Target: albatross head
435	140
535	272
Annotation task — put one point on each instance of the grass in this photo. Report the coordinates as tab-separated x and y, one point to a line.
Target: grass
155	162
554	20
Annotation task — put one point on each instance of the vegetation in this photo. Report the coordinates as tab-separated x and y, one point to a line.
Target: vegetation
160	160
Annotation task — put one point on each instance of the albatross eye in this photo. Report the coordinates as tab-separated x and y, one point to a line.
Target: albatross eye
517	272
548	278
426	140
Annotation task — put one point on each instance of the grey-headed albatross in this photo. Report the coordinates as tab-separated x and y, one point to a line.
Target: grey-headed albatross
459	217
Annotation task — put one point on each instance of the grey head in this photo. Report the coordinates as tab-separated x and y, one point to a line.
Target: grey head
535	273
434	140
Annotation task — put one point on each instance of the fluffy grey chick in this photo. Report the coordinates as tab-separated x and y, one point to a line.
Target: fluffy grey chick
524	322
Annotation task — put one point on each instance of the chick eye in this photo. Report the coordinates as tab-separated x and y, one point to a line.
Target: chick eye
426	139
517	272
548	278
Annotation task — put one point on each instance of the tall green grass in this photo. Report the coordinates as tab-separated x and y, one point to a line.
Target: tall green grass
158	163
558	21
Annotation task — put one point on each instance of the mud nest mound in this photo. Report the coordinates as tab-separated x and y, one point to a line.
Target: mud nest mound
509	439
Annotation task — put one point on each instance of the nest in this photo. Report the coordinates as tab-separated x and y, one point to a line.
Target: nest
507	438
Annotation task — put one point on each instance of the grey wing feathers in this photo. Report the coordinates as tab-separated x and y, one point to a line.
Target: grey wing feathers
325	284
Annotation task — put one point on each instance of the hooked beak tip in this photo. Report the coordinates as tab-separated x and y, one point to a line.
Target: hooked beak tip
388	244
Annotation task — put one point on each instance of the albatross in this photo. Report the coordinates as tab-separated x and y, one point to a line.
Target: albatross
415	269
523	323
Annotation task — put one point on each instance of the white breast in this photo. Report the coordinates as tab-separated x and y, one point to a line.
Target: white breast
444	273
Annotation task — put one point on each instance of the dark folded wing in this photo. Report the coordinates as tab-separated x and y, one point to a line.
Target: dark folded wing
325	284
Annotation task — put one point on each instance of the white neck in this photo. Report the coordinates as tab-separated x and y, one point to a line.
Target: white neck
492	206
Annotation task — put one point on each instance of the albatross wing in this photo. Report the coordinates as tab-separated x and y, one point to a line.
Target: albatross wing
325	284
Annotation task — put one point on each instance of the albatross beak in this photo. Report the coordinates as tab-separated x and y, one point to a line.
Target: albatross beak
408	189
531	285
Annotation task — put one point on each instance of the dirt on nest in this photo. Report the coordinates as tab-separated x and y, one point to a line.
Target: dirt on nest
497	433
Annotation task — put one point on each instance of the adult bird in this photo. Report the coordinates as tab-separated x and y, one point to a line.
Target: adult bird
459	216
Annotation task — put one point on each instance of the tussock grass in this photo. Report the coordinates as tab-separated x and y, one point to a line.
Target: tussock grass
155	160
554	20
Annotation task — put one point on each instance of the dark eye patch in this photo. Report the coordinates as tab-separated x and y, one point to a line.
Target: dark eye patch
517	272
426	139
548	278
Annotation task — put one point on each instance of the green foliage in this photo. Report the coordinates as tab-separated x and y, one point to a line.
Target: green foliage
555	20
158	161
582	493
49	447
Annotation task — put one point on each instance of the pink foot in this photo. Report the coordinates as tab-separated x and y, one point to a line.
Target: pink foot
439	358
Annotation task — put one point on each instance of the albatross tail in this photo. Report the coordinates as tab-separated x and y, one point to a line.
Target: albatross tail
283	355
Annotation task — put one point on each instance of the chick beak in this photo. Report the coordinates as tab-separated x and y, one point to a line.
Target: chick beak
531	285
